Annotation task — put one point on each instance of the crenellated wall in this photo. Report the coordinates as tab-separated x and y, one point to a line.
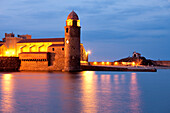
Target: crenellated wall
33	61
43	61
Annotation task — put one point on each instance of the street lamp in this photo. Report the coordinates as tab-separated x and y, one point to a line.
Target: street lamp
87	53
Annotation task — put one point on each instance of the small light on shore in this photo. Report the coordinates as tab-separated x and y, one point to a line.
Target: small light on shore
123	63
88	52
116	63
133	63
107	63
95	63
103	63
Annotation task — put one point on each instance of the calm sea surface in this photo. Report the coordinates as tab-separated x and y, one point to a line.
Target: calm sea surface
85	92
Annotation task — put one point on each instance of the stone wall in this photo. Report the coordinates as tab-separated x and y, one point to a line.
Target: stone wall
53	60
56	57
34	61
9	63
34	66
83	55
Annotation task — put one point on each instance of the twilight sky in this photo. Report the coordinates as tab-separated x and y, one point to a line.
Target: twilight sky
111	29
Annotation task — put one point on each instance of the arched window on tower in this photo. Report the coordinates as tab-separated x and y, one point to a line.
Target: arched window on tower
69	22
78	23
66	30
74	23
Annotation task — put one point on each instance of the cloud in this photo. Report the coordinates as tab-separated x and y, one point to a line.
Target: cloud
126	23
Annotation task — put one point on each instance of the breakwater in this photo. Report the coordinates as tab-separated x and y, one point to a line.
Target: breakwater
113	68
14	63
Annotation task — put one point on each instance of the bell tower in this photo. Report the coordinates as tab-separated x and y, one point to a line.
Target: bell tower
72	43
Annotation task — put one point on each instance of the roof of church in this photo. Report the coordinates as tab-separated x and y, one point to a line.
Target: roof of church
42	40
73	16
56	45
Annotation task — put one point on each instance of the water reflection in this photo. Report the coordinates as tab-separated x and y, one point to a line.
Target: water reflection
106	91
89	97
134	94
116	82
7	93
122	78
86	92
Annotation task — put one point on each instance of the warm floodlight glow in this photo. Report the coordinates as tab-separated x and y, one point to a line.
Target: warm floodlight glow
67	41
116	63
7	52
88	52
83	62
10	53
95	63
133	63
69	22
124	63
103	63
107	63
78	23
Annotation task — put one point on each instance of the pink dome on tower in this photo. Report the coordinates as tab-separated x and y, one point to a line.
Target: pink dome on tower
73	16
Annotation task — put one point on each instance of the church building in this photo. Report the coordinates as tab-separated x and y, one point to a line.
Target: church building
50	54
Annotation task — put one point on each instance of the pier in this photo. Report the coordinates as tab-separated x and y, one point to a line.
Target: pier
117	68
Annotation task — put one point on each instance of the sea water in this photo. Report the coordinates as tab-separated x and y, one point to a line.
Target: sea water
85	92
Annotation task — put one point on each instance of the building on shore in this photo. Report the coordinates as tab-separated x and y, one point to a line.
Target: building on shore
48	53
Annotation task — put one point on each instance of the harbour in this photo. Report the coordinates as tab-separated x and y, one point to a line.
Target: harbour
88	91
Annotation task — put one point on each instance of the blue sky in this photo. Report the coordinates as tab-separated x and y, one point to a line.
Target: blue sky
111	29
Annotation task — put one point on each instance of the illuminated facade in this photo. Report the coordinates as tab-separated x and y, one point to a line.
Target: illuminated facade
8	47
47	53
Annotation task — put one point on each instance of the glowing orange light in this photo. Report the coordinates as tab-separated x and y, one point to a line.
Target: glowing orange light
67	41
7	52
88	52
133	63
95	63
103	63
107	63
116	63
124	63
78	23
69	22
83	62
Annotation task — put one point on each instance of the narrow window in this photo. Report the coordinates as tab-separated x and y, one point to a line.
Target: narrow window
63	49
52	49
74	23
66	30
